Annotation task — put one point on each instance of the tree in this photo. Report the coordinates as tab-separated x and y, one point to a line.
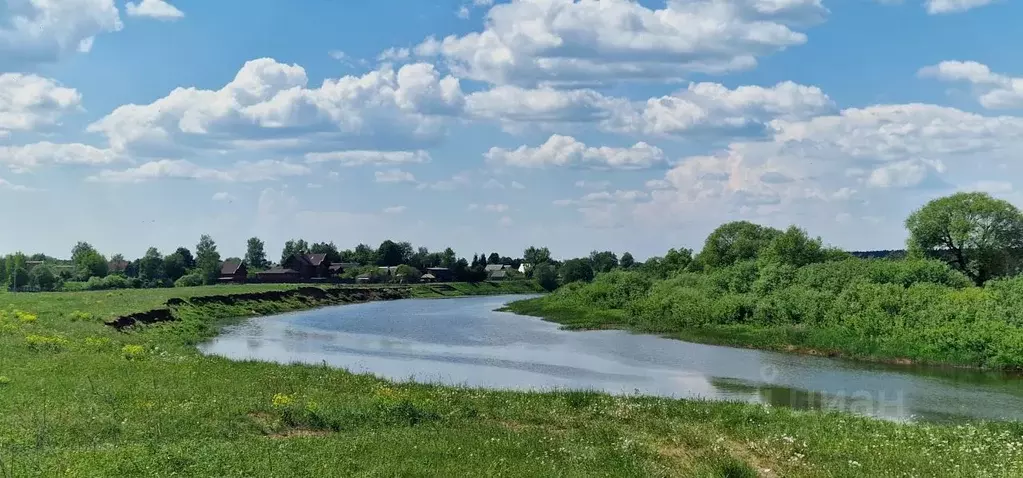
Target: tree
151	266
293	247
17	270
174	266
389	254
979	235
576	270
407	251
186	255
407	274
333	255
794	247
255	253
88	262
448	258
494	258
207	259
734	242
627	261
535	256
546	276
365	255
475	261
605	261
483	261
42	276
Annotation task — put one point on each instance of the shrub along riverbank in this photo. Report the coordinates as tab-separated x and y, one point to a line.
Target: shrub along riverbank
884	310
79	398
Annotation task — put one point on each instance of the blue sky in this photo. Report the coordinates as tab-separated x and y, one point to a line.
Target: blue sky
493	125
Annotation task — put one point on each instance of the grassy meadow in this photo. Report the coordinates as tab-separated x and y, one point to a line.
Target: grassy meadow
79	399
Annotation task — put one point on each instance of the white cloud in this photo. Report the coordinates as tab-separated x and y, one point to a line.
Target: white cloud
705	106
5	184
991	187
517	185
457	181
605	197
567	151
158	9
563	41
546	104
582	183
495	207
394	209
394	54
493	184
242	171
903	174
935	7
44	31
394	176
360	158
223	196
29	101
30	156
994	91
505	221
269	106
313	186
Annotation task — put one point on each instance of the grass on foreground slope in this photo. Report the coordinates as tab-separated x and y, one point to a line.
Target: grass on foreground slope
80	399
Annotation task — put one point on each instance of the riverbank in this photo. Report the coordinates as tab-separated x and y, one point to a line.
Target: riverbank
79	398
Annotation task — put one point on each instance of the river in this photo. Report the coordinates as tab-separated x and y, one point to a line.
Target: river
465	342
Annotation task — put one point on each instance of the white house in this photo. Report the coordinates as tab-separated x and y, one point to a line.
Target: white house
524	268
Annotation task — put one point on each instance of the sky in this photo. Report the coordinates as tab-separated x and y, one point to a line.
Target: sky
489	125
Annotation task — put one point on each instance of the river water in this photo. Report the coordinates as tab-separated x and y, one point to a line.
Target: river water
465	342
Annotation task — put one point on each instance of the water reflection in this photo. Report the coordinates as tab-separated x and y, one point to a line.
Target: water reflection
464	342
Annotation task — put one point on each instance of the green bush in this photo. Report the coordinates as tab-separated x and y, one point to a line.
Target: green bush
190	280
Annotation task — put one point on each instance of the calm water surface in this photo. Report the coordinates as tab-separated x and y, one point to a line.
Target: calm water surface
464	342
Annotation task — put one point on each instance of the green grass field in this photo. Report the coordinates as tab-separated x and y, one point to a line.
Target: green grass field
80	399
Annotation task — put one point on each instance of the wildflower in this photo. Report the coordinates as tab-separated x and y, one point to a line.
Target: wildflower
4	380
25	317
281	400
133	352
42	342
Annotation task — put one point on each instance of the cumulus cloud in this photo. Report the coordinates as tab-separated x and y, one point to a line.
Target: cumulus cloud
561	150
268	105
44	31
394	209
29	101
709	106
394	176
528	42
993	90
935	7
158	9
5	184
30	156
242	171
223	196
361	158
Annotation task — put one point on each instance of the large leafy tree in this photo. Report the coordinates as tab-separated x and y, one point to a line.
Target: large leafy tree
292	247
735	242
43	277
151	265
207	259
390	253
794	247
187	256
174	266
88	262
364	254
603	261
627	261
255	253
976	233
536	255
576	270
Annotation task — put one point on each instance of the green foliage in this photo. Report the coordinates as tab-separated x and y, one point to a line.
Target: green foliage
42	276
734	242
546	276
675	261
174	266
627	261
793	247
576	270
407	274
979	235
536	255
207	260
255	253
390	253
605	261
190	280
151	266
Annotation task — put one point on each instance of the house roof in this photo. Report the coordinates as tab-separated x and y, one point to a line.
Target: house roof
230	268
363	276
118	266
437	269
315	259
496	267
428	276
499	274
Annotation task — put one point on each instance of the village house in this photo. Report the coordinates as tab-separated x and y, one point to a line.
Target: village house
299	268
233	271
440	274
